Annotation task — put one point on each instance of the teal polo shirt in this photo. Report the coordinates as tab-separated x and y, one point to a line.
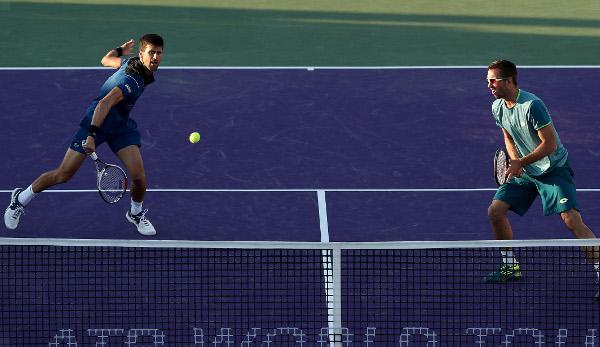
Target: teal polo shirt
522	123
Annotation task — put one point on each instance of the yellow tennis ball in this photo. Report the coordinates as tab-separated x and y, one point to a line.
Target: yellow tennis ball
194	137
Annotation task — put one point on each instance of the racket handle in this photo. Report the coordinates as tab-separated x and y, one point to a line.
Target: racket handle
93	154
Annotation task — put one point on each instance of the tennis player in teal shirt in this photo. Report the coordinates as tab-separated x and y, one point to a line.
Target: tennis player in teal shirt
107	120
539	165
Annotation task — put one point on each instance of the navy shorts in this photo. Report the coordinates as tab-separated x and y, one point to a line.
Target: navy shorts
122	137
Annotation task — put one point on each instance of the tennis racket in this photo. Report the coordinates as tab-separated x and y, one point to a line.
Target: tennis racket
501	161
112	180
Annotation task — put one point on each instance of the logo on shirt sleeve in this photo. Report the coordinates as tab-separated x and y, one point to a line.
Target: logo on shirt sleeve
128	88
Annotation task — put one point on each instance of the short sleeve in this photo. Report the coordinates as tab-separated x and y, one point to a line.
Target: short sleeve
496	114
128	86
539	114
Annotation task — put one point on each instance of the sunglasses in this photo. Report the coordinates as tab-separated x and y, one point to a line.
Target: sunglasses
495	79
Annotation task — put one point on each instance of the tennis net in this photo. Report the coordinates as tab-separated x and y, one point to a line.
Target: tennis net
186	293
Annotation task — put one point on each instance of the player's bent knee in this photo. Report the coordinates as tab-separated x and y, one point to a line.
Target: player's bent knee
61	176
572	219
496	212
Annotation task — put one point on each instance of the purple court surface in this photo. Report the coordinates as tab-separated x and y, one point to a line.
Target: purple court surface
294	129
398	154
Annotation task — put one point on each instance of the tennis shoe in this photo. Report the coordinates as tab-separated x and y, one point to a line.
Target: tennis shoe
142	223
504	273
14	210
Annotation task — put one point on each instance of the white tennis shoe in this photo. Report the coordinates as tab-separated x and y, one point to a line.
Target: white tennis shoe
142	223
14	210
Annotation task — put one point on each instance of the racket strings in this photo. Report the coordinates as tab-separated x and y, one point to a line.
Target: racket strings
501	167
112	183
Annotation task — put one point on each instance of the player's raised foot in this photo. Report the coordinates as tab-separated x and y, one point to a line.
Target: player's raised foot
142	223
504	273
14	210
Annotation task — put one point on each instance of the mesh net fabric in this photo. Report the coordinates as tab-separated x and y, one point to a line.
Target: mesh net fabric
289	294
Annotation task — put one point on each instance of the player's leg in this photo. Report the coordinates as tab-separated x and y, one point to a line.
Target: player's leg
509	269
517	196
125	143
498	217
70	164
575	224
21	197
559	196
132	160
64	172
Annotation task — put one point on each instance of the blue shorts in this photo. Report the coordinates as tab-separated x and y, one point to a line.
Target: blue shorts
122	137
556	189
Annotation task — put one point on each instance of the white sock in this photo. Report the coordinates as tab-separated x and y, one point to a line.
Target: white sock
26	195
136	207
508	258
597	267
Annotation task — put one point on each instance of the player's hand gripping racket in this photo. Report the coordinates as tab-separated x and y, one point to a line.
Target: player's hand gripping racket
112	180
501	161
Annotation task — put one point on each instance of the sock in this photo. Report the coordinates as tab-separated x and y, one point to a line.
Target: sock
597	267
26	195
136	207
508	258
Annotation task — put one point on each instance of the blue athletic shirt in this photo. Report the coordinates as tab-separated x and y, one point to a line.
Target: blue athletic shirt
131	80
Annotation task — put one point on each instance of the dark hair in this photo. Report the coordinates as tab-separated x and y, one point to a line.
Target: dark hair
151	39
507	69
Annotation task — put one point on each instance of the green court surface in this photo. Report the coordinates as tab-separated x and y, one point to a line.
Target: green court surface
305	33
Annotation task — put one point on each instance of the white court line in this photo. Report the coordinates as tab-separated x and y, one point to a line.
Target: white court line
310	68
324	225
315	190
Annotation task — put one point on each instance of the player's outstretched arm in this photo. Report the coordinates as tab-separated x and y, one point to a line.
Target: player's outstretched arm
100	112
113	57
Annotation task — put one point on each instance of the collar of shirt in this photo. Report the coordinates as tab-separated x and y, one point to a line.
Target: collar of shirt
135	65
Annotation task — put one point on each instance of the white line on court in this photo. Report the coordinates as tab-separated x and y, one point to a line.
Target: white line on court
324	225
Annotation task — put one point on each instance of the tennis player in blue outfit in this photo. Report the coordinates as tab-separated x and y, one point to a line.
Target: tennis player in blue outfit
107	120
539	165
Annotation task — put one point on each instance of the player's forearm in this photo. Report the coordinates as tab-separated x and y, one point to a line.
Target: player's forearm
111	59
100	113
541	151
511	148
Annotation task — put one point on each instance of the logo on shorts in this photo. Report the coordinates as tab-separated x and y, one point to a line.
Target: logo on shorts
523	124
563	200
128	88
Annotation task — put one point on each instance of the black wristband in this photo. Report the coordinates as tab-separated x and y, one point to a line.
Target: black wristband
119	51
93	131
